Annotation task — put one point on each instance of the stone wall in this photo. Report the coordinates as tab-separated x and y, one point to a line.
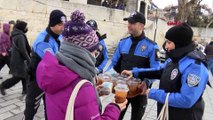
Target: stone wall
78	1
110	21
36	13
203	35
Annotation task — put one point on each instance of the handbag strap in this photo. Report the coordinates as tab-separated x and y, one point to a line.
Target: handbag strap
164	113
70	107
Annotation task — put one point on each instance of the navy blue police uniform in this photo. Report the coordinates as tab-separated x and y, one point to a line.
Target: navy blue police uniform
185	78
133	53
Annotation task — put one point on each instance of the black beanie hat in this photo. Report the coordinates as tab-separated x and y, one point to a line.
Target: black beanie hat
21	25
56	17
181	35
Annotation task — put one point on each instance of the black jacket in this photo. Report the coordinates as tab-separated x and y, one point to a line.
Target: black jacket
20	52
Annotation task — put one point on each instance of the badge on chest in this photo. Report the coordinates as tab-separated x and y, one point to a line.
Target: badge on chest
174	74
143	48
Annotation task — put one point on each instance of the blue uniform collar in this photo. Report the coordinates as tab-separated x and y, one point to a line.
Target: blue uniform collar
50	32
141	37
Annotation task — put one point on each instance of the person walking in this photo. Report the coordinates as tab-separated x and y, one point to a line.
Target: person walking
47	40
5	45
20	53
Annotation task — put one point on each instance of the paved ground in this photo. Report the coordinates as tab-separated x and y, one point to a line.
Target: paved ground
12	105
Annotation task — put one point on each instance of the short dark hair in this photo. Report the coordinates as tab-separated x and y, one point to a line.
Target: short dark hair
12	22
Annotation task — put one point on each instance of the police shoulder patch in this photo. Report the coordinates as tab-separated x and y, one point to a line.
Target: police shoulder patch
193	80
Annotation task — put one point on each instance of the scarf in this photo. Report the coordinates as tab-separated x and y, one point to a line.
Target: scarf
78	60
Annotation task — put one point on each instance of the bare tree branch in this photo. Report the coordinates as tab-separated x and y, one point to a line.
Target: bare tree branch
209	24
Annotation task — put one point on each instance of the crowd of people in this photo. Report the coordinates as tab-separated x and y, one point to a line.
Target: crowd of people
116	4
70	53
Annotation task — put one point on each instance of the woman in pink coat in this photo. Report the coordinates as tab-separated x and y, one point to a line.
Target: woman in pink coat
58	75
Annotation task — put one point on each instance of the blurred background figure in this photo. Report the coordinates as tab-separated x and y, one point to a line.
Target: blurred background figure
102	56
5	45
209	54
20	53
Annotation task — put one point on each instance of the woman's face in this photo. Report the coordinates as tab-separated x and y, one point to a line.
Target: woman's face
95	53
169	45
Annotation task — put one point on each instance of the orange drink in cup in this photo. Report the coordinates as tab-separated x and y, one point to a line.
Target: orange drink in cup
121	91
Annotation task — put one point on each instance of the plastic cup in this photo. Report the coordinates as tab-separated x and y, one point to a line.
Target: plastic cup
121	91
133	86
107	88
114	82
115	75
121	82
103	78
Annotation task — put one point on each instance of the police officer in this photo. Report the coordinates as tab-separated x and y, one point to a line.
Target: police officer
102	58
47	40
184	76
132	53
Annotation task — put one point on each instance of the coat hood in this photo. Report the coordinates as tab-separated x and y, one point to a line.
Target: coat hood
6	28
17	32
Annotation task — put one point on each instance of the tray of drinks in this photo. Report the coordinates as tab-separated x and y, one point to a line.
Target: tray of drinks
132	84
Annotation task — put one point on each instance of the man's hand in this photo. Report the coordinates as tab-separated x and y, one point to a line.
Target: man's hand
128	73
143	88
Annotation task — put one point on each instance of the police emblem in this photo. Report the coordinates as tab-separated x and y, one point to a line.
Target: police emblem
174	74
193	80
133	13
63	19
143	48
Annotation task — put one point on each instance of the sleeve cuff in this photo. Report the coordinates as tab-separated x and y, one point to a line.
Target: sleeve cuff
115	105
148	83
152	93
135	72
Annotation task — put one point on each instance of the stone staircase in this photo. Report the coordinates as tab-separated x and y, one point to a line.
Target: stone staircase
111	50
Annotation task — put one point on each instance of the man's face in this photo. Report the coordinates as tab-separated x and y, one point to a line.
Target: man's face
58	29
11	28
169	45
135	28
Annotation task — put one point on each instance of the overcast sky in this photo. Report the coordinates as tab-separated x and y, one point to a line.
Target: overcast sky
164	3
